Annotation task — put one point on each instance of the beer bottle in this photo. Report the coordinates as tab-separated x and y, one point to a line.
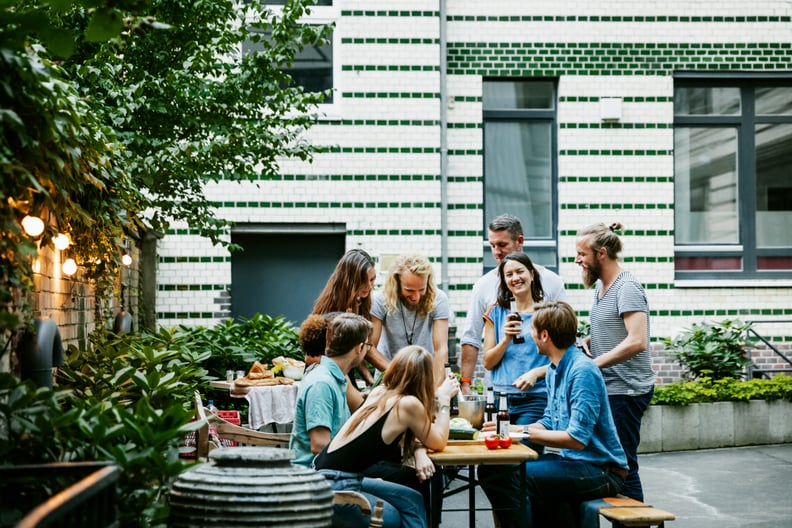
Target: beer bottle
454	406
489	406
515	316
503	416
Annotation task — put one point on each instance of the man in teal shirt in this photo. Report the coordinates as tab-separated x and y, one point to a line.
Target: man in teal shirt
321	403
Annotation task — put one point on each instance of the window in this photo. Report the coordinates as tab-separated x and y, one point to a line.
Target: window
733	185
313	67
519	162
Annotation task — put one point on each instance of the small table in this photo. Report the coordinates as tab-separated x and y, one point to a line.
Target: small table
472	453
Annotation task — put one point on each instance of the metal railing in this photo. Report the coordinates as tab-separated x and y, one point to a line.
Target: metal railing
750	334
91	502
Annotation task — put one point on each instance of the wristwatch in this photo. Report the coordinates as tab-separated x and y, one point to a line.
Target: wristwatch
526	432
445	409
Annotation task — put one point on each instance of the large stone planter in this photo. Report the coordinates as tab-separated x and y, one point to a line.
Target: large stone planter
712	425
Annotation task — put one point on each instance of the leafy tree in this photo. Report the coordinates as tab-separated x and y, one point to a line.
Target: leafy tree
150	102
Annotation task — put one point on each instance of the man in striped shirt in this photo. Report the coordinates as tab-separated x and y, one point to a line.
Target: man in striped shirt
619	339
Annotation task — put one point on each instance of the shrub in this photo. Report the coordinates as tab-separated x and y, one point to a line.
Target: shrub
706	389
712	349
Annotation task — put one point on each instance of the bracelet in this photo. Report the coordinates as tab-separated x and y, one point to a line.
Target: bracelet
466	380
445	409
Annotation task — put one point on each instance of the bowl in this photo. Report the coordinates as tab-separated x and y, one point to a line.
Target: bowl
295	373
471	407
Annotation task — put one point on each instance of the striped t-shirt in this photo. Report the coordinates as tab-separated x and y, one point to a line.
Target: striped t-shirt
626	294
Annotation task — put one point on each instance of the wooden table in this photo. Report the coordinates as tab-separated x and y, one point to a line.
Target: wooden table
471	453
268	404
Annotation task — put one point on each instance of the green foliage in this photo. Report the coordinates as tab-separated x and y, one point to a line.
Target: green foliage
236	345
706	389
122	399
712	349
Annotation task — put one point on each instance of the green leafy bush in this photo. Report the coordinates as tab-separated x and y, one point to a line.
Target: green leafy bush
706	389
125	399
712	349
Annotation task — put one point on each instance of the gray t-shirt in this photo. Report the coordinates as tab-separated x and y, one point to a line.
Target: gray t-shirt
398	325
626	294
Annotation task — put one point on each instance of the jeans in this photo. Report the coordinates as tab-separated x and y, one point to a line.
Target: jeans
501	484
555	486
402	506
627	413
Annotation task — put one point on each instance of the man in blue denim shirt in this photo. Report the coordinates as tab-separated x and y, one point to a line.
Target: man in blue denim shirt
583	458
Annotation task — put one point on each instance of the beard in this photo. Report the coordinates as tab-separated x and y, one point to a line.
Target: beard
591	274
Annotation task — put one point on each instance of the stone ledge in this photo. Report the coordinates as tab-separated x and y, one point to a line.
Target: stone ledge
712	425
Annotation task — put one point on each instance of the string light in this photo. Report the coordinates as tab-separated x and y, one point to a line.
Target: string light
126	260
33	225
69	267
61	242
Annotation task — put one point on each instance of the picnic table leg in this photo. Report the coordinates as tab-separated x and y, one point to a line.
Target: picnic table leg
471	496
436	497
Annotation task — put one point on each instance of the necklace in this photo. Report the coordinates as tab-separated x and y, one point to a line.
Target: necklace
409	336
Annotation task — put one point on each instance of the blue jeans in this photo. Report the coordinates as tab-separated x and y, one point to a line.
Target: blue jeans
501	483
555	486
627	413
402	506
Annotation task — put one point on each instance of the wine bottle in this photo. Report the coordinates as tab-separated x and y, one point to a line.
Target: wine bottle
504	420
515	316
489	406
454	402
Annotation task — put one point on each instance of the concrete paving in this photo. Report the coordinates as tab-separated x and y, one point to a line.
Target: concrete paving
723	488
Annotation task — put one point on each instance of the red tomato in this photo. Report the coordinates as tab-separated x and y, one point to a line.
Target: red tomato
492	441
504	441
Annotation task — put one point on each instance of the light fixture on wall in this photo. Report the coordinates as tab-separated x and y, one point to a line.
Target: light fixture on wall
33	226
69	266
610	108
126	259
61	242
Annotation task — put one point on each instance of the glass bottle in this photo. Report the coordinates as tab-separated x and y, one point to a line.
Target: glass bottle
504	420
489	406
454	402
515	316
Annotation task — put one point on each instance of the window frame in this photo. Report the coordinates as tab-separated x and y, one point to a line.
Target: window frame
746	249
531	245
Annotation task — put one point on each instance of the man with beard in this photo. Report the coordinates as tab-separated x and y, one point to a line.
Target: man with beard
410	310
619	340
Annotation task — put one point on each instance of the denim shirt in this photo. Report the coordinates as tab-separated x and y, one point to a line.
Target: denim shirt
577	403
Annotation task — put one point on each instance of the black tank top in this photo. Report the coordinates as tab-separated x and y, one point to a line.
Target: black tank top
365	450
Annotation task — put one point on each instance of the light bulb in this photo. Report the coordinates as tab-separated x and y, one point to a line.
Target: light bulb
69	267
126	260
33	225
61	242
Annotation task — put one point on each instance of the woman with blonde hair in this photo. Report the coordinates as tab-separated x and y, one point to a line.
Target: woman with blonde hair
397	414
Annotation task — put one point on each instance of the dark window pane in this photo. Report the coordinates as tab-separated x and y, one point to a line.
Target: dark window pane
707	101
708	263
775	263
773	185
705	188
518	173
774	101
510	95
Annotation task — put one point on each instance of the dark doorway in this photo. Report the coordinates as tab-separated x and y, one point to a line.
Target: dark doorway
281	273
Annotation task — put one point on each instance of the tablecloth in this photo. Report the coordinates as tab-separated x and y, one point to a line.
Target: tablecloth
272	404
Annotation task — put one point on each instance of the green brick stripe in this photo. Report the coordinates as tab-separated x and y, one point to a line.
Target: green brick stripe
395	232
379	122
378	40
195	260
378	150
329	205
390	95
352	177
615	152
626	99
616	179
636	126
384	13
465	152
193	287
617	18
637	260
465	125
612	58
465	179
185	232
391	68
629	232
629	206
185	315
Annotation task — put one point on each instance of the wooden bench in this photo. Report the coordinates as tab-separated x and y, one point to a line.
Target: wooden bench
625	512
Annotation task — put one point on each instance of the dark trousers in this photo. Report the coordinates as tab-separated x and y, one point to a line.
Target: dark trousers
627	413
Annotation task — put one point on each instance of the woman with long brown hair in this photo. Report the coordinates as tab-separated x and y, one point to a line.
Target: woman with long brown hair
396	415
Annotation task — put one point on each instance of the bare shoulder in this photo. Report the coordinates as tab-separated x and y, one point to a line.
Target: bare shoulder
411	406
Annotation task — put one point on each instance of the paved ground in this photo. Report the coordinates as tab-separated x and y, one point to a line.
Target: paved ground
723	488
